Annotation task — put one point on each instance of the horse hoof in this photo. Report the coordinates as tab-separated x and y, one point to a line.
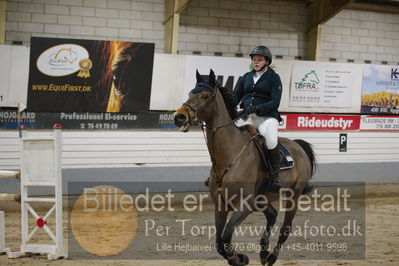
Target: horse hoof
271	259
263	256
263	261
243	259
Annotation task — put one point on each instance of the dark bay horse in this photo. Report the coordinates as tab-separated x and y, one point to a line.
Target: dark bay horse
238	182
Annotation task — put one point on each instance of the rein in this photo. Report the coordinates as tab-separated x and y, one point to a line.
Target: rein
219	179
215	128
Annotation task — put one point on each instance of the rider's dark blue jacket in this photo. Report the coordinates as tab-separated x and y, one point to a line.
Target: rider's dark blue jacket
265	93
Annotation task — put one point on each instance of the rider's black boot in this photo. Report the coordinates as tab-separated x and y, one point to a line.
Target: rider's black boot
275	160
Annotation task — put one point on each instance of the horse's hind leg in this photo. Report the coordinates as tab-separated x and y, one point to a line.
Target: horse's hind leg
235	220
271	215
285	230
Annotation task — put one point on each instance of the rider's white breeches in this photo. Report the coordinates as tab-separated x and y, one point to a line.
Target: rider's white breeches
267	126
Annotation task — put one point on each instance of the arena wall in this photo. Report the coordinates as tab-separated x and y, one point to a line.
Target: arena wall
209	27
126	20
234	27
170	156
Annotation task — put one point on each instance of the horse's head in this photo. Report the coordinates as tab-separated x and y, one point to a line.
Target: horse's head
120	70
66	55
198	107
125	76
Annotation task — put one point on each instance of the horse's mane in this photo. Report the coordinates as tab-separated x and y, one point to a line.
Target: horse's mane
230	101
228	96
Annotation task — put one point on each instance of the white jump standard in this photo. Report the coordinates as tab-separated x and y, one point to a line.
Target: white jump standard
40	167
3	248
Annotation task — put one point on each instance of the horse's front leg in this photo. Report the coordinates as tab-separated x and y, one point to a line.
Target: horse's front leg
235	220
220	222
285	229
271	215
221	214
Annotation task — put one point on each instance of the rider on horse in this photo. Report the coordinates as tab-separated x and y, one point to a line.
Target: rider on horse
259	93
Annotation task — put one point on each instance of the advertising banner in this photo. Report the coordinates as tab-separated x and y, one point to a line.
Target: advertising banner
379	123
88	121
68	75
380	90
321	122
228	70
165	120
321	85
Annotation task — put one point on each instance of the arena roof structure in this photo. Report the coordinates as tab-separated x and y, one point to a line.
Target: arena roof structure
320	11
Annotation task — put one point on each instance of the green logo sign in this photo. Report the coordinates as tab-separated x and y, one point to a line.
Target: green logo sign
308	82
310	77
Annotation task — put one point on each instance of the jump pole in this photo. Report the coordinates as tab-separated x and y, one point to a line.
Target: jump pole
9	174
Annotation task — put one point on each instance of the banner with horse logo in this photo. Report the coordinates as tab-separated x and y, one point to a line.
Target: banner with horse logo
70	75
316	85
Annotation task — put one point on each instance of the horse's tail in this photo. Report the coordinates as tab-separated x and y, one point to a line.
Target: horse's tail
307	147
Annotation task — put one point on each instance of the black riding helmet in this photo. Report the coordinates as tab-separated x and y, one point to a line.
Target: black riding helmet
262	50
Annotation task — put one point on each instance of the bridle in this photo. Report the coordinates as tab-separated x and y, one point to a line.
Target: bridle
196	120
203	106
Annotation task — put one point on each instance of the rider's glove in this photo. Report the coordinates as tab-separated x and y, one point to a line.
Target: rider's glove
251	109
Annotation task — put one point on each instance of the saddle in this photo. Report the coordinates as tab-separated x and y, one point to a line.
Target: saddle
287	161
